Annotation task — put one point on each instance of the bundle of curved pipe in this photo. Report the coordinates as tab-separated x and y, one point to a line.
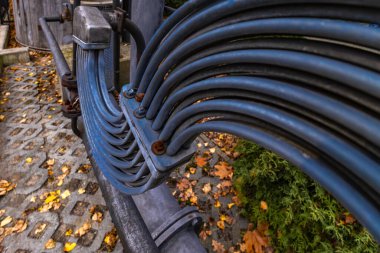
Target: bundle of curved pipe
301	78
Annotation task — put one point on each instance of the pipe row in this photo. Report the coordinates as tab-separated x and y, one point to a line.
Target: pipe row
298	77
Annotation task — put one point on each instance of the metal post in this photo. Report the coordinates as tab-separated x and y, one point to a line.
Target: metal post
74	62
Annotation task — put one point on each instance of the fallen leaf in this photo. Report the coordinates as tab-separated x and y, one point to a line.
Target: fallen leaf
200	161
194	199
263	205
212	150
65	194
20	226
217	204
29	160
2	117
217	247
83	229
50	162
65	169
193	170
81	190
50	244
110	240
220	224
255	242
230	205
206	188
223	170
183	184
97	216
33	199
6	221
204	234
69	232
40	228
69	246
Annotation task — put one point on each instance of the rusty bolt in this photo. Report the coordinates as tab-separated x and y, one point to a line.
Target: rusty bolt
158	148
139	97
140	112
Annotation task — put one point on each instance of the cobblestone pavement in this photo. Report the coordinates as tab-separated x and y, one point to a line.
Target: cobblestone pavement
33	132
34	128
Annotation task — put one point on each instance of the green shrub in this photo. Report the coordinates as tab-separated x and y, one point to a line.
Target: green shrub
175	3
302	216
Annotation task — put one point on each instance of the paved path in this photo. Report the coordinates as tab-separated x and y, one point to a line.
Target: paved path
33	133
34	128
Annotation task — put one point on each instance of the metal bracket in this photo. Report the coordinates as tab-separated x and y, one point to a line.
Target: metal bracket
91	29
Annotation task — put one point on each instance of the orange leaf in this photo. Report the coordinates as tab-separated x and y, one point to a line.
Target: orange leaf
264	205
200	161
223	170
217	247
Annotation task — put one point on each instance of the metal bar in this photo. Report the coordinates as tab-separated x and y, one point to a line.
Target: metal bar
60	61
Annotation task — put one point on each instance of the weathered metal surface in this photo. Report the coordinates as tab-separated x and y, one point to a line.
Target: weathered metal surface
91	30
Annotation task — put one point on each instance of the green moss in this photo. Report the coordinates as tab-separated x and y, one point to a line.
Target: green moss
302	216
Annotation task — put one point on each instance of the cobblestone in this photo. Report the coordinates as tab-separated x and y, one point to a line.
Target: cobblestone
34	128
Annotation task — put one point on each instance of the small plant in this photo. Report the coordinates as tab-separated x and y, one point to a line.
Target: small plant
302	216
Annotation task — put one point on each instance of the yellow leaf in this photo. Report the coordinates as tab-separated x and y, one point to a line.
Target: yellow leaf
69	246
65	169
29	160
217	204
2	117
220	224
69	232
51	198
230	205
212	150
65	194
192	170
33	199
97	216
6	221
50	162
50	244
40	228
81	191
194	199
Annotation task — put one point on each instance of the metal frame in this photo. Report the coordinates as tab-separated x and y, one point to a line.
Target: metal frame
302	80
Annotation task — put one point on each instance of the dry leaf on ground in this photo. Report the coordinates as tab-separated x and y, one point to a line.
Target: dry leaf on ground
69	246
6	221
217	247
50	244
200	161
223	170
83	229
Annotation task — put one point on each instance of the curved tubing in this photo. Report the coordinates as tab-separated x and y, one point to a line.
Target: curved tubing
345	74
340	150
317	169
339	112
